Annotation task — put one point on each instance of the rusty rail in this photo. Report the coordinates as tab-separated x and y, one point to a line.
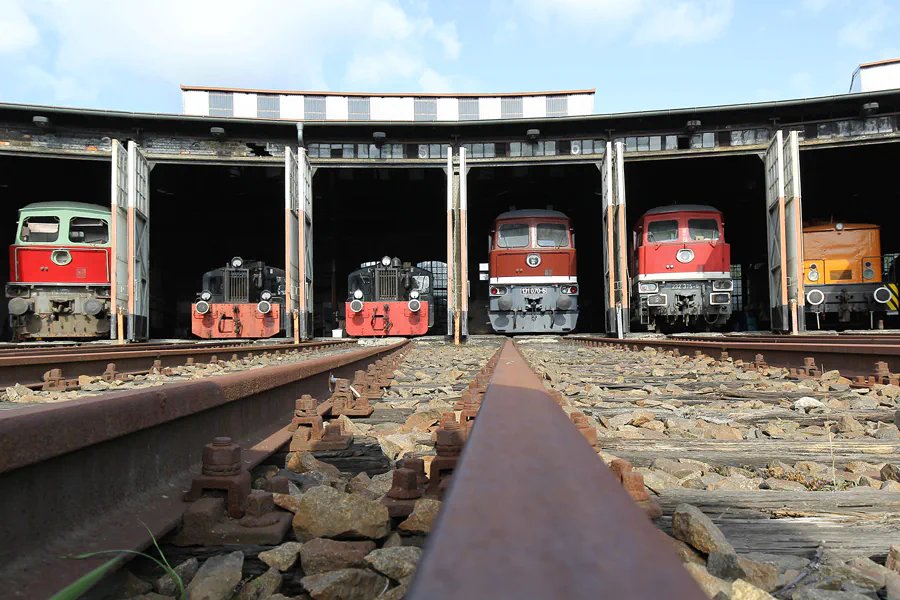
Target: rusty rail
28	367
82	476
852	360
533	512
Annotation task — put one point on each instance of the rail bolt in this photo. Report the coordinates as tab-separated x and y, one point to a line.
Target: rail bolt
221	457
404	485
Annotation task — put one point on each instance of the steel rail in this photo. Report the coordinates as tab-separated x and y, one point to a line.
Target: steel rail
85	475
534	513
29	369
850	359
13	348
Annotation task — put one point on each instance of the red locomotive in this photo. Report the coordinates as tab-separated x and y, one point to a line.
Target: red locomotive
59	269
244	299
683	267
389	298
533	287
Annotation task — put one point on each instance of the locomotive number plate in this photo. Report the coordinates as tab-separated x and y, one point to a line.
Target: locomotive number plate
683	286
534	291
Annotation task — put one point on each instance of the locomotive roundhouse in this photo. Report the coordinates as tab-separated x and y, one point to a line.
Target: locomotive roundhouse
320	197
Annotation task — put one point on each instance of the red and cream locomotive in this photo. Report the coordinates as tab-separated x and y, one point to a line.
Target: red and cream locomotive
389	298
533	287
59	272
243	299
683	267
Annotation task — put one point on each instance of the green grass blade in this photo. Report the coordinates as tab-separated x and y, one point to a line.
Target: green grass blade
84	583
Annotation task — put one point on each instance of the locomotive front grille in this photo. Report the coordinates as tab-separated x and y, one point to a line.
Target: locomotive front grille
237	286
387	284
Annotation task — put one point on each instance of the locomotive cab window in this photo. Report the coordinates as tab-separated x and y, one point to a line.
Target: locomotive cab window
552	235
512	235
703	229
662	231
40	229
83	230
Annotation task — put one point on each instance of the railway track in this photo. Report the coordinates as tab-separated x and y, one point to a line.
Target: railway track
29	367
509	445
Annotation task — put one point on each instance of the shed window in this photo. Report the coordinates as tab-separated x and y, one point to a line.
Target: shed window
425	109
510	108
40	229
512	235
703	229
662	231
552	235
468	109
268	106
358	109
221	104
557	106
314	108
83	230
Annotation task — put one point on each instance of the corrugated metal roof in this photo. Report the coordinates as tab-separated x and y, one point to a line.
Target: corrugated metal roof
66	205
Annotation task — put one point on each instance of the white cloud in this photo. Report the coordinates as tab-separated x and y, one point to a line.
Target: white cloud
816	5
371	69
102	43
17	32
435	83
686	23
859	33
643	21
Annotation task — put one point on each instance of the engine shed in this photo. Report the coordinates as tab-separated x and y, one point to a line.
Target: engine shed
319	197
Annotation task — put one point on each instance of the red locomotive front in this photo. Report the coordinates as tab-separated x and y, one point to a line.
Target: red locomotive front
532	273
59	272
683	267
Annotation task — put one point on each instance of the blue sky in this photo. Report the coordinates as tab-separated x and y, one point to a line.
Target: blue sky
639	54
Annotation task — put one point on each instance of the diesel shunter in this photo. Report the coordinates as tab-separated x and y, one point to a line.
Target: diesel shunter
389	297
243	299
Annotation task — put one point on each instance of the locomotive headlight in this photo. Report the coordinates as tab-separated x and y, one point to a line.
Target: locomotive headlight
648	288
839	226
202	307
414	294
61	257
356	306
868	271
723	285
533	260
386	261
571	290
358	294
414	305
264	307
205	295
266	295
813	274
237	262
498	290
685	255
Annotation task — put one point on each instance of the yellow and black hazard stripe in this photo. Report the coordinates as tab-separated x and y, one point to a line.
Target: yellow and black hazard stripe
894	302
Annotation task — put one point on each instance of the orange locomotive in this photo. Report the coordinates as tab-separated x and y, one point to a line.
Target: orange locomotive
843	268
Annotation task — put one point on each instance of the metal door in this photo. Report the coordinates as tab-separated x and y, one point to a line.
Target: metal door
305	259
615	240
118	288
291	241
784	229
138	244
